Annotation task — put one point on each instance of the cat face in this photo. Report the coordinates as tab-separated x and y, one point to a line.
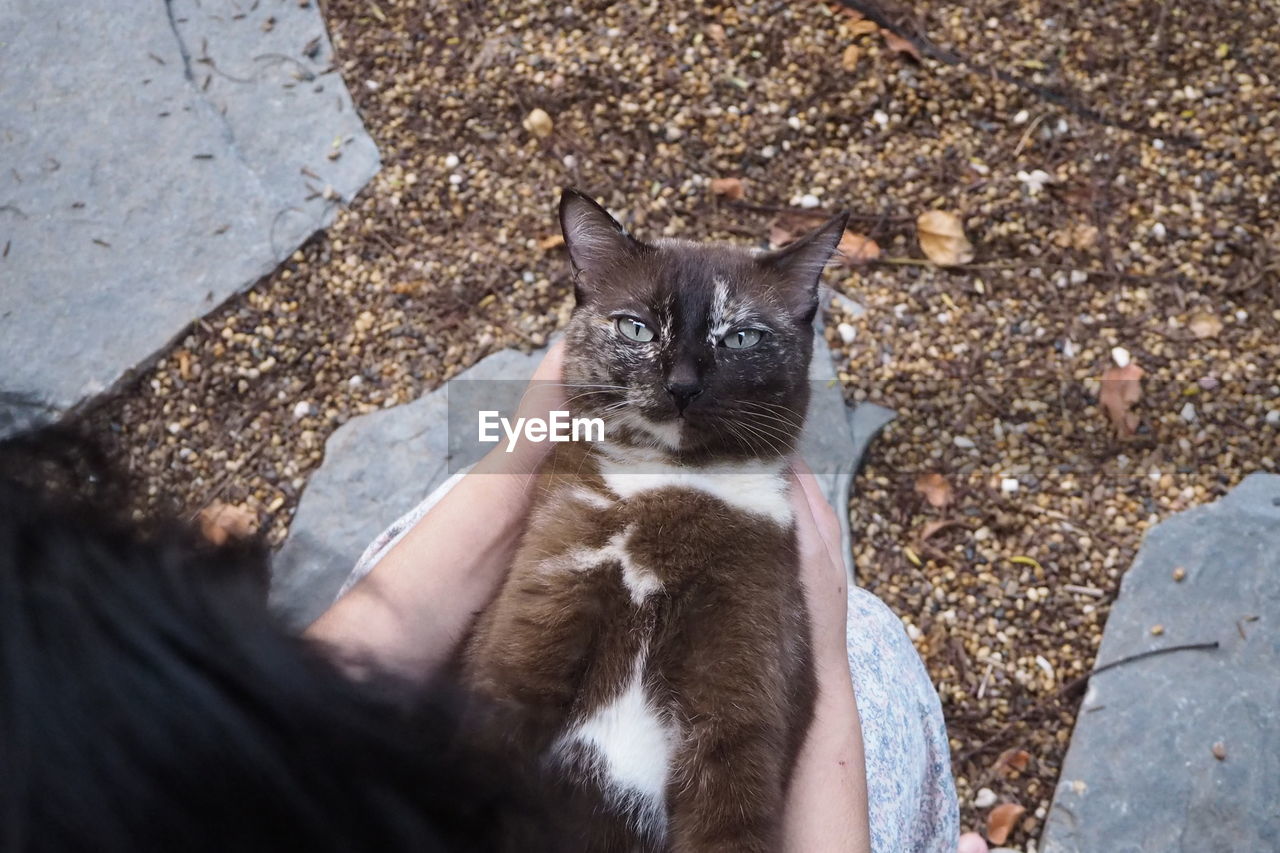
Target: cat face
700	351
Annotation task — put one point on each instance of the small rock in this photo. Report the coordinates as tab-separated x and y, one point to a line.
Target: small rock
452	161
809	200
963	443
1021	117
1179	573
302	409
1034	180
1273	417
1188	412
1121	356
1079	276
539	123
1220	751
1009	485
1157	630
984	799
847	333
1159	231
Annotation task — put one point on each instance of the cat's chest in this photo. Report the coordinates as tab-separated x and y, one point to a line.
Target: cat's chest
653	537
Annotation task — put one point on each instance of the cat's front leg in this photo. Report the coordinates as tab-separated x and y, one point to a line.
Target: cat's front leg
528	653
727	792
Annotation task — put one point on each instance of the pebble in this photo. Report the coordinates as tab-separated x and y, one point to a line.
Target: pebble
847	333
984	799
963	442
1273	417
1188	412
1009	485
809	200
302	409
451	161
539	123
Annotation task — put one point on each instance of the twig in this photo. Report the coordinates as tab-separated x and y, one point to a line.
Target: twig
1078	682
1027	133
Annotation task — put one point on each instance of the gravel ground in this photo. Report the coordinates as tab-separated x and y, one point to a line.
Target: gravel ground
1112	165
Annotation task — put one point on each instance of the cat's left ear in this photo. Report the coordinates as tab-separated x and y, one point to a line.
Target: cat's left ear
800	265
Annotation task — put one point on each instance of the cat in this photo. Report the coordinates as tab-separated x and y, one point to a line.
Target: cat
651	644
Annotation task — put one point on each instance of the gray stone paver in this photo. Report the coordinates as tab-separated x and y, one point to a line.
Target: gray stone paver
152	167
1141	774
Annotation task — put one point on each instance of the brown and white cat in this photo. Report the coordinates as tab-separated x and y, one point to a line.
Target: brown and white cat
651	643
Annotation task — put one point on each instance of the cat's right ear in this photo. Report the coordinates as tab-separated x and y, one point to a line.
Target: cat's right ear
594	239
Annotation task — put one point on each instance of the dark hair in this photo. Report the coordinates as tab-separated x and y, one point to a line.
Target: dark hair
149	701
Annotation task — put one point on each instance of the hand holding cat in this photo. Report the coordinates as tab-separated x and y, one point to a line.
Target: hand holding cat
821	566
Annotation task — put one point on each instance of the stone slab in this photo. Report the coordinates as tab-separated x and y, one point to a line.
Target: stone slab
1140	774
379	466
153	166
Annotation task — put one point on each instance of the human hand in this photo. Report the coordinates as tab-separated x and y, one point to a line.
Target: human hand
822	568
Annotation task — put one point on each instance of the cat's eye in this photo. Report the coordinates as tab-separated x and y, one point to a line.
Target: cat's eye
743	338
634	330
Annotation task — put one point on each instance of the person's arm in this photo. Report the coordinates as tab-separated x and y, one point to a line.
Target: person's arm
827	801
408	615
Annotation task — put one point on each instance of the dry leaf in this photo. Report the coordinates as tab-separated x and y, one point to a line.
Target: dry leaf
1204	324
789	227
730	188
935	488
554	241
849	59
221	522
855	249
1121	387
863	28
898	44
942	238
1000	821
935	526
1011	761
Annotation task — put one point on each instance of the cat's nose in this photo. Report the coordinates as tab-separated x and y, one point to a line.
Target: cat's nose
683	392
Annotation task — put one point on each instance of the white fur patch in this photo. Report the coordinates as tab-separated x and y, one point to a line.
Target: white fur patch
665	434
634	747
592	498
755	487
639	581
725	315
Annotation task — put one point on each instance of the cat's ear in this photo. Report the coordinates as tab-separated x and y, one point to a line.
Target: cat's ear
594	239
799	265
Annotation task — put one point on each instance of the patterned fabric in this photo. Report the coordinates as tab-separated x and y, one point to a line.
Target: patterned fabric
911	795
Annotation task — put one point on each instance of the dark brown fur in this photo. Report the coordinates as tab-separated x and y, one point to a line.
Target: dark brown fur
728	661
